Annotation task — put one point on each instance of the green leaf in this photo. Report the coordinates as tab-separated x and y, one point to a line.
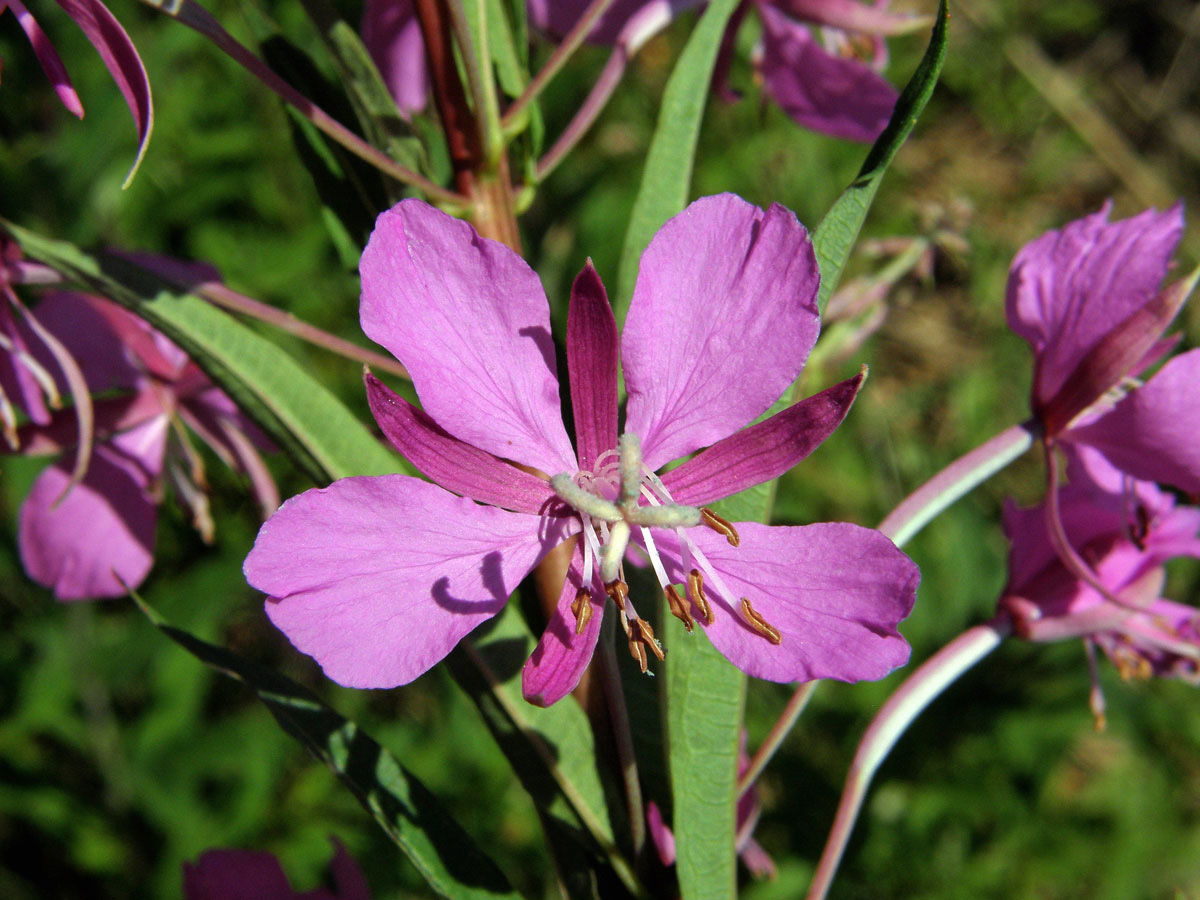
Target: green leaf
297	411
376	108
835	236
704	721
510	70
552	750
412	817
667	177
704	692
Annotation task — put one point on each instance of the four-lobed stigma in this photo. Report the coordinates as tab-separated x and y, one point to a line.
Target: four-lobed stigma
609	503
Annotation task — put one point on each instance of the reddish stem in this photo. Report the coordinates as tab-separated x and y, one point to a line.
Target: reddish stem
458	122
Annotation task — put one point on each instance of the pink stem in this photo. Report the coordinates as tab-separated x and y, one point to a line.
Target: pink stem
198	19
569	44
642	26
900	710
926	502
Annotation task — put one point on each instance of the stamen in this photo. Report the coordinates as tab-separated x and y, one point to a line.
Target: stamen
638	651
39	372
581	606
759	624
660	571
695	590
645	634
614	551
720	526
1140	529
584	500
1096	694
679	608
8	419
618	591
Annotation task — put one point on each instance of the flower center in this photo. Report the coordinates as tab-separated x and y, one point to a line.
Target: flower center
608	500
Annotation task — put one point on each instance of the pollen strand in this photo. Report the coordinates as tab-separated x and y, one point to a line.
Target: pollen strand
720	525
695	590
679	608
759	624
581	606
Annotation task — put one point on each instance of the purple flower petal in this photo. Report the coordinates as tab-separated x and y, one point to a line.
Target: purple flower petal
558	661
47	57
456	466
851	15
379	578
1152	432
592	367
123	62
469	320
834	95
102	531
347	876
247	875
236	875
1125	350
557	17
763	451
391	33
723	316
101	336
834	591
1069	288
664	840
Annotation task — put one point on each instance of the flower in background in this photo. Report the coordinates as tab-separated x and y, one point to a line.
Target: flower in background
94	538
379	577
1089	301
115	48
819	60
392	35
25	384
250	875
1124	531
1089	561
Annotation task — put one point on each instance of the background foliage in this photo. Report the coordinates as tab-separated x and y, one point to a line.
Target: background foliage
121	757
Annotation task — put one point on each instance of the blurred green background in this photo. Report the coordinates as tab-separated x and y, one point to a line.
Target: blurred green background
121	756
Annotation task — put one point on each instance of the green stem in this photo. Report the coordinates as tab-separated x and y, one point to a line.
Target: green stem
563	52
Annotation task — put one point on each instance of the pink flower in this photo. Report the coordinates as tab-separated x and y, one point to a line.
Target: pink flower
392	35
1124	531
379	578
1088	298
115	48
97	537
819	59
248	875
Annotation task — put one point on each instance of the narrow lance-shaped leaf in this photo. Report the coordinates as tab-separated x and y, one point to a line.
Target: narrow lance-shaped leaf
295	409
667	177
704	721
453	864
835	236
